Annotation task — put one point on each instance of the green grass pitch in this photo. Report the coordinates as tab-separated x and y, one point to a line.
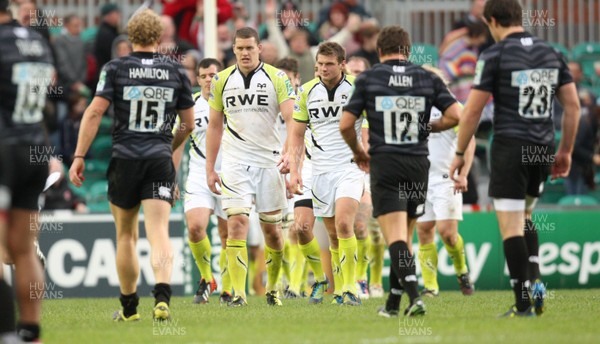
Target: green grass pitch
571	317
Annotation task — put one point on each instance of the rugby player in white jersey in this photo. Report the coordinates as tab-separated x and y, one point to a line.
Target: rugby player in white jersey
443	207
337	184
199	201
250	95
293	260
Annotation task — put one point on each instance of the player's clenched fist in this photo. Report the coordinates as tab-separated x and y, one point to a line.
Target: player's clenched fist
213	178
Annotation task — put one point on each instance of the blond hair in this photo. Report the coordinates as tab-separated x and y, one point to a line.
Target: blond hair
145	28
437	72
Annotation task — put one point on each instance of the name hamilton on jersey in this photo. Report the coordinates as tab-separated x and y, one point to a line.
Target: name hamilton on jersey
148	73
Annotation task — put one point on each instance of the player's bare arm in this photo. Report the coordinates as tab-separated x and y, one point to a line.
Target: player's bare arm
214	134
460	181
349	134
286	108
567	96
87	132
469	120
296	148
449	120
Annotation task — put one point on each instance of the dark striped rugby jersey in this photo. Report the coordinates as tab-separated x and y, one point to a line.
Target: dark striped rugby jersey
26	71
523	73
398	96
146	90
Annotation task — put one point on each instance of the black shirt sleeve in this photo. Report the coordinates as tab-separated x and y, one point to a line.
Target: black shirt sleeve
105	87
564	74
358	100
184	99
485	71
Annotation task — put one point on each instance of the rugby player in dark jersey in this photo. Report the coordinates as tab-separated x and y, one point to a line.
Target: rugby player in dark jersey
147	90
397	96
523	74
25	72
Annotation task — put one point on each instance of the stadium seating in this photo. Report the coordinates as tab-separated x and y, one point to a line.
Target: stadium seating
562	49
102	147
588	54
105	126
96	197
578	200
95	170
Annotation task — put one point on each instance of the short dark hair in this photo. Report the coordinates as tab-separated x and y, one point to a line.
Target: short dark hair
332	49
287	63
476	29
207	62
246	32
506	12
394	40
361	59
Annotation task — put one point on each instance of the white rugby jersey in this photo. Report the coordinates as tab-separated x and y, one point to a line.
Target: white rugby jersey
321	109
198	138
251	107
442	147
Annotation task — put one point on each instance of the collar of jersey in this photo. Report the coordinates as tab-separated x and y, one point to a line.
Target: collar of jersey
331	93
142	53
519	35
395	62
338	84
249	76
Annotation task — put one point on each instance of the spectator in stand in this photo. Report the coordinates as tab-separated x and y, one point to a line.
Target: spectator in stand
121	47
59	195
339	19
357	65
353	7
225	45
581	176
189	61
299	41
475	15
287	19
458	59
107	32
70	127
269	53
188	16
31	16
240	16
368	34
71	60
170	44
